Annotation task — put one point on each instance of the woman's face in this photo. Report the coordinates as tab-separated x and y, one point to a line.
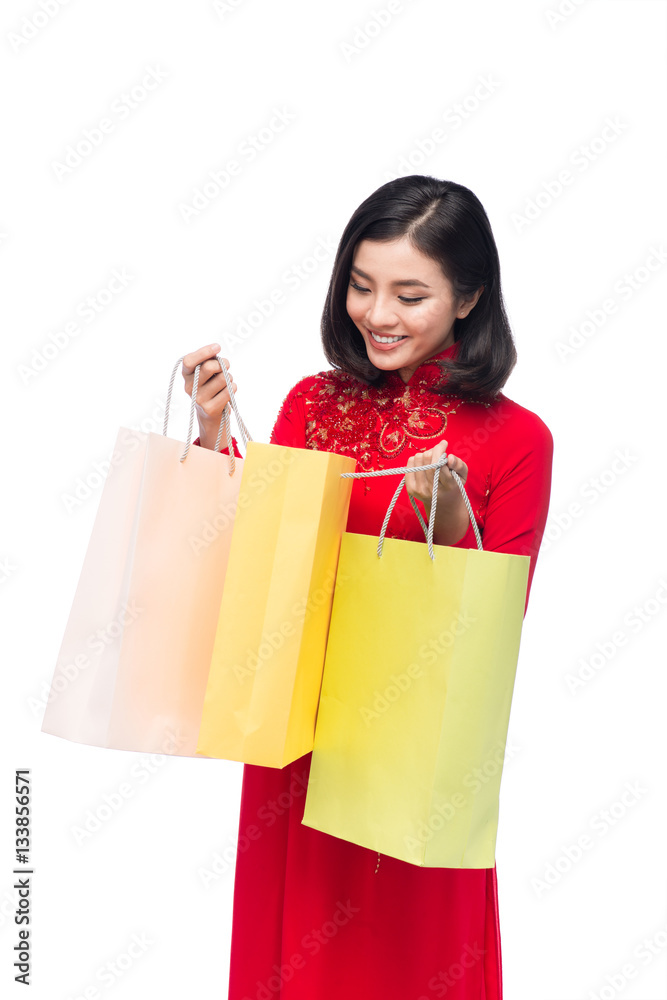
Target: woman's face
397	292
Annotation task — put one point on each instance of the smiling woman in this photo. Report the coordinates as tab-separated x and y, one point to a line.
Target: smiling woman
420	347
386	318
435	233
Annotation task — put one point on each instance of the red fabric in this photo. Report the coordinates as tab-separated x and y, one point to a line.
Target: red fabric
313	920
234	443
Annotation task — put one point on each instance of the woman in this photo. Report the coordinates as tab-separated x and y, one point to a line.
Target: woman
415	329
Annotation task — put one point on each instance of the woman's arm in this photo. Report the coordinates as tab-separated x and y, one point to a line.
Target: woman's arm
518	503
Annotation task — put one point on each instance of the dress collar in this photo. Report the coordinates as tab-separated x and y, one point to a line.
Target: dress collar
427	374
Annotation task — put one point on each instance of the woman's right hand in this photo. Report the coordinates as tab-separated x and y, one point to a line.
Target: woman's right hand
212	391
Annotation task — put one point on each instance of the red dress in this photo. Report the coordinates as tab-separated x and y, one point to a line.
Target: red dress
313	919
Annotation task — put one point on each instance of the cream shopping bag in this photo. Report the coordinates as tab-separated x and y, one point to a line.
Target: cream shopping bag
134	660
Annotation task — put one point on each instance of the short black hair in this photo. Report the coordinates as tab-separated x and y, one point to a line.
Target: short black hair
446	222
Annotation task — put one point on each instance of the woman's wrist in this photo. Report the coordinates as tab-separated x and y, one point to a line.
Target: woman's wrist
207	435
451	519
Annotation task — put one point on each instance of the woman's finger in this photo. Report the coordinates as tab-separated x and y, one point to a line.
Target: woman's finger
211	377
459	467
190	361
410	485
434	456
214	404
415	480
211	381
425	480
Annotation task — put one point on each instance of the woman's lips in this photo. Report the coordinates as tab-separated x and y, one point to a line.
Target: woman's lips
384	347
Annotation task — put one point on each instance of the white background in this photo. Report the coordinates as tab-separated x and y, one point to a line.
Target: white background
361	98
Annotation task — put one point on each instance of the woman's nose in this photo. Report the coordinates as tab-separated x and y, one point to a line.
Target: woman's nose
380	315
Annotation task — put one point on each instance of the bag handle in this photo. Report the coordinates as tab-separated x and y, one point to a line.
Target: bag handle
434	500
224	420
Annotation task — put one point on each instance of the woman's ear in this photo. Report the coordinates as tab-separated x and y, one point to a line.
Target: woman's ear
468	304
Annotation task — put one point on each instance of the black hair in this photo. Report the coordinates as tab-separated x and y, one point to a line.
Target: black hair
446	222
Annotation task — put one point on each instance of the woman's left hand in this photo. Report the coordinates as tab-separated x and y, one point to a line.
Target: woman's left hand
420	484
451	514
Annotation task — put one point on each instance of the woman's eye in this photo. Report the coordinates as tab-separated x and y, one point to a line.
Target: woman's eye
402	298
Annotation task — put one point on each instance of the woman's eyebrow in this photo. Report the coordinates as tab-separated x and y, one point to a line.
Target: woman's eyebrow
406	281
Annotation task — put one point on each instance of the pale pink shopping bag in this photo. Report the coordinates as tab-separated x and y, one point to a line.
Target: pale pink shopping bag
134	660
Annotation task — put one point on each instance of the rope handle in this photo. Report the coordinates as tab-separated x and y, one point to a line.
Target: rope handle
428	531
225	422
243	430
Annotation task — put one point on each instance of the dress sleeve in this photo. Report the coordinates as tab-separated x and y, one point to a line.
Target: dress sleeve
225	450
290	426
518	502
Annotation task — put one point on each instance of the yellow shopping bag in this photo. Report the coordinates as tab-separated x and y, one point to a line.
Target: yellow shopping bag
266	670
416	694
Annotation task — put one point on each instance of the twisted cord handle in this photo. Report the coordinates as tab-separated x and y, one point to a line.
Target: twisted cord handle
245	433
225	422
428	531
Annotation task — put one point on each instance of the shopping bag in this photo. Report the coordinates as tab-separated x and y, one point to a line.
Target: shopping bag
266	670
132	667
416	694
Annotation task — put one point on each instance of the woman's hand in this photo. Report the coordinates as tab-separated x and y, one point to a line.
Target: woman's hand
451	515
212	391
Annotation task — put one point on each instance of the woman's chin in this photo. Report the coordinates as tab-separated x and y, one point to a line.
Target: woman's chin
388	360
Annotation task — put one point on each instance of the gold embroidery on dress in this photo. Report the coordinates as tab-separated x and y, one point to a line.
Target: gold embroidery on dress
343	416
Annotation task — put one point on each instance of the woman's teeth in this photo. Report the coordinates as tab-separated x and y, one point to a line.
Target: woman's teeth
385	340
